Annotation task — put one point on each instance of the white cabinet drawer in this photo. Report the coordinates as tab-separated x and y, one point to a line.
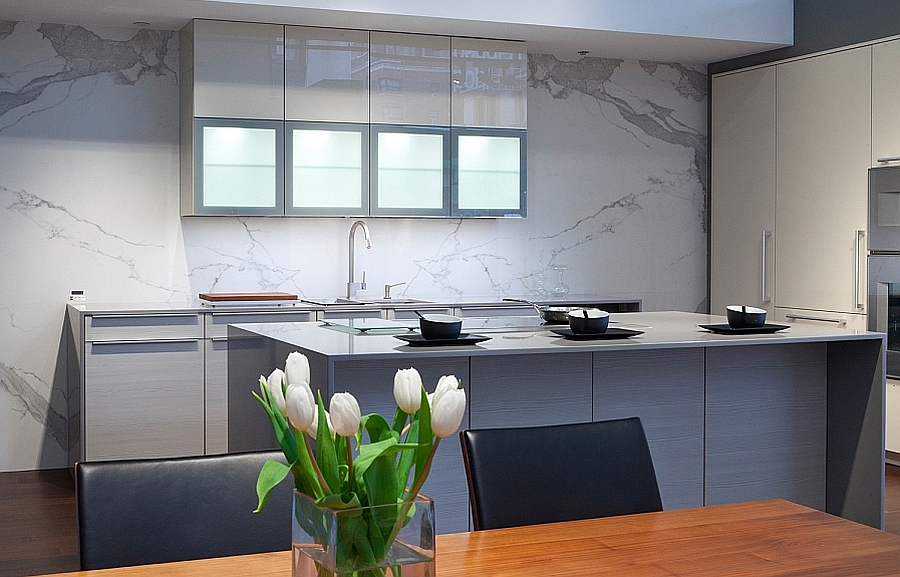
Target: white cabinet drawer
823	318
216	324
138	327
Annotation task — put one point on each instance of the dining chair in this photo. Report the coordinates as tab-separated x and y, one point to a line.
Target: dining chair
159	510
531	475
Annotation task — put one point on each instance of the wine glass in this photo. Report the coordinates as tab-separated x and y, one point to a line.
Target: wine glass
561	289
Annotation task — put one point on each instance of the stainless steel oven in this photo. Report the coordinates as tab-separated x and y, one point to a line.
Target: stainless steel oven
884	260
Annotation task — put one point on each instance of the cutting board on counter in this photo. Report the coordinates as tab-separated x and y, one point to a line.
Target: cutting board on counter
261	296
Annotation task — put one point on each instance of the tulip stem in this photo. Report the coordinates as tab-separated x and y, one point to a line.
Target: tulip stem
411	496
350	482
315	464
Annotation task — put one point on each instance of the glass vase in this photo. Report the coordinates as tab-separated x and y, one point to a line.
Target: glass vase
394	540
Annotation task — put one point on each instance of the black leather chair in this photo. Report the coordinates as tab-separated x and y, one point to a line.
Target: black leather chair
161	510
532	475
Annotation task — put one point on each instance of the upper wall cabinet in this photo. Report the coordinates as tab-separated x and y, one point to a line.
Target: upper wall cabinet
326	74
489	83
299	120
409	79
885	103
238	70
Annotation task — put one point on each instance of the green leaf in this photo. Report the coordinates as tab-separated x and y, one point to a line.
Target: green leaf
270	475
339	501
381	484
305	476
368	453
399	421
426	436
377	428
279	424
326	456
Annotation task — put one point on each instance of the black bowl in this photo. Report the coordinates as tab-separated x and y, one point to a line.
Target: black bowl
588	321
436	326
744	317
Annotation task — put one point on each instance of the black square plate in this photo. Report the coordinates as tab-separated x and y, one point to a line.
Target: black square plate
726	329
611	333
417	340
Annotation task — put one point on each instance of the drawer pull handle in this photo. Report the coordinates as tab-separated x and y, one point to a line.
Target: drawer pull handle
153	316
143	341
819	319
889	159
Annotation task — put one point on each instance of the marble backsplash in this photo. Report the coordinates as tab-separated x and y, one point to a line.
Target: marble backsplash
617	154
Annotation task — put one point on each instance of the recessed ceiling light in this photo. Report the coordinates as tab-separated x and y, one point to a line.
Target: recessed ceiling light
141	23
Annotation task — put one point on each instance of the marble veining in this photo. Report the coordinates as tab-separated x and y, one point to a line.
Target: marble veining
89	200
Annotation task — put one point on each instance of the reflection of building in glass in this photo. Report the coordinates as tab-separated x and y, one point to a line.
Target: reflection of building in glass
488	87
409	84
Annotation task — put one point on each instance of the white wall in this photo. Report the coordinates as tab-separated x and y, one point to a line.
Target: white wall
89	200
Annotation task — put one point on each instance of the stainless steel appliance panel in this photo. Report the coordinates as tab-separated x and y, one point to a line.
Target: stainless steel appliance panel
884	210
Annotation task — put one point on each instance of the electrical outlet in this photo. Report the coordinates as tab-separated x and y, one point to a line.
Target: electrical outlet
76	295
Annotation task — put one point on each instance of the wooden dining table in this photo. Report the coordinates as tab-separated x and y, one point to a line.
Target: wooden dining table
761	538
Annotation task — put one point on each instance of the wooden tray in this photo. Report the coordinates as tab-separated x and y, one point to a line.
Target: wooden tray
266	296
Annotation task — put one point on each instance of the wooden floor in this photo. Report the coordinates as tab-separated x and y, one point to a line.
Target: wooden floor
37	520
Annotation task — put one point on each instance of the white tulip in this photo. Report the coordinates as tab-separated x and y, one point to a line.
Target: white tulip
408	390
297	368
301	408
275	384
447	406
313	429
345	414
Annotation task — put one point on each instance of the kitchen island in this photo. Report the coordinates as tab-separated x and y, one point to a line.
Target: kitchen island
797	414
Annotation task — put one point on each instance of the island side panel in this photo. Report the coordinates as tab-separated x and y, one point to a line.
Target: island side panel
372	382
856	382
250	356
530	390
664	388
766	423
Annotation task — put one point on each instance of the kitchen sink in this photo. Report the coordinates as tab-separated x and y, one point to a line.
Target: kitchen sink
380	302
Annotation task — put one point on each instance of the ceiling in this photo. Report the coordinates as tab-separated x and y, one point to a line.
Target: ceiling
563	41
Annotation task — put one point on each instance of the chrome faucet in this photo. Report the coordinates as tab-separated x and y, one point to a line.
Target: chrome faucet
352	287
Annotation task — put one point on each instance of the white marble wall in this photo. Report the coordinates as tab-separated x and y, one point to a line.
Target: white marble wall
89	200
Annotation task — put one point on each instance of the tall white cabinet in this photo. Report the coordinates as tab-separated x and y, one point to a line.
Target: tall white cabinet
823	136
791	146
742	208
885	102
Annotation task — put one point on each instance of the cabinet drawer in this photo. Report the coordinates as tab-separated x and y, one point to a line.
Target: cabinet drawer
822	318
132	327
216	324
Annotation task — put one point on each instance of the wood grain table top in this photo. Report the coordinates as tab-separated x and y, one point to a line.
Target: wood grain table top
762	538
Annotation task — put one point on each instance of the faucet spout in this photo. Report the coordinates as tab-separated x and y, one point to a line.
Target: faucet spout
352	287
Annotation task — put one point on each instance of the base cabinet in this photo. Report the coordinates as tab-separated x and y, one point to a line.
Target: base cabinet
143	399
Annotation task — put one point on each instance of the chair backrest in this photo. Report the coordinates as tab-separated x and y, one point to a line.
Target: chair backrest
160	510
531	475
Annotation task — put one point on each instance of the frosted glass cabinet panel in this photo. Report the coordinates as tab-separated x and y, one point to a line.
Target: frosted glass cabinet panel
328	168
238	69
411	171
489	83
326	74
239	167
489	172
409	79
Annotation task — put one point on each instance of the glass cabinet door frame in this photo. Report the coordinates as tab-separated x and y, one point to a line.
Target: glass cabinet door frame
519	211
200	208
363	208
375	209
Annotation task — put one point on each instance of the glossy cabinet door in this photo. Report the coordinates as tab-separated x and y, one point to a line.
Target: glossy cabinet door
238	69
823	107
409	79
489	168
885	102
326	74
742	197
490	78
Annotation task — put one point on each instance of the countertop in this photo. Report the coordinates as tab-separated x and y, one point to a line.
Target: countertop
197	306
660	330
